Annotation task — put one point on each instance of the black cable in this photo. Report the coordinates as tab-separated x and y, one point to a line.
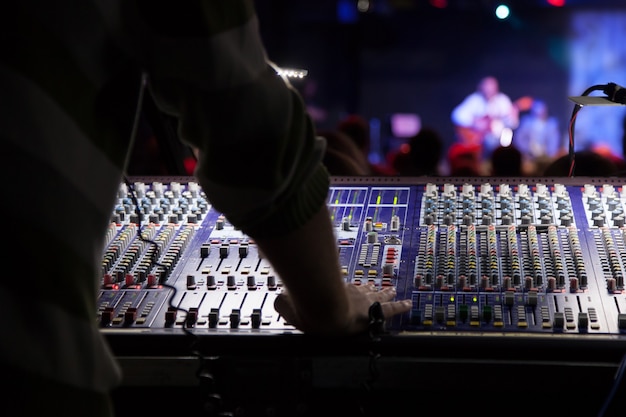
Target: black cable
572	123
204	377
376	327
616	382
165	269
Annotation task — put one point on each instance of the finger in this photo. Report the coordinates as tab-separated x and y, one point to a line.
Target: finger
392	308
284	307
363	288
385	294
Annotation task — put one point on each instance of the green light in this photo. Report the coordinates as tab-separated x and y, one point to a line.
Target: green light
475	299
452	299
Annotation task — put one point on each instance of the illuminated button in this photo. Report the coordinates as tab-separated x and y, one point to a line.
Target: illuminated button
474	316
521	317
428	314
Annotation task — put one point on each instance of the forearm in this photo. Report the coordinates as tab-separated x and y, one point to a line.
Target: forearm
306	259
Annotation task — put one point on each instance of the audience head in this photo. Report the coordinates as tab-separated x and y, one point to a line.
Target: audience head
587	163
421	155
342	157
506	161
358	128
464	160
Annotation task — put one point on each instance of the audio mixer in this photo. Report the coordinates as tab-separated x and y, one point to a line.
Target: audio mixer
507	256
517	287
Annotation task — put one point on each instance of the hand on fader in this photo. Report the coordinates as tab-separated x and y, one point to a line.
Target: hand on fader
360	298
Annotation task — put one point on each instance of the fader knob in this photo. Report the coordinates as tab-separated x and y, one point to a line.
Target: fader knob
235	318
106	317
255	318
271	282
191	282
251	282
559	320
214	316
509	298
210	282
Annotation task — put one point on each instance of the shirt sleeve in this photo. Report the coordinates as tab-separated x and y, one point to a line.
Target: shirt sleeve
465	112
260	160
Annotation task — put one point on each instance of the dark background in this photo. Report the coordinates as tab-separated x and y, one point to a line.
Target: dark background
409	56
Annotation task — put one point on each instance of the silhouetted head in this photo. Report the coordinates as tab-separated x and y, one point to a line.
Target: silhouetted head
506	161
489	87
358	128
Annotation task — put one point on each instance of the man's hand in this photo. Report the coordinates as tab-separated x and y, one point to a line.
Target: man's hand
360	298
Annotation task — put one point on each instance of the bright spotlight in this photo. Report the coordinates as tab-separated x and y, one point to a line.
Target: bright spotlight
503	11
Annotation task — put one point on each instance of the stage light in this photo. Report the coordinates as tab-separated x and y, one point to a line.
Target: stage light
556	3
503	11
440	4
292	72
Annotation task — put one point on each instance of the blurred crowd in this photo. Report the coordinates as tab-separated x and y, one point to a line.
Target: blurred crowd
427	154
494	136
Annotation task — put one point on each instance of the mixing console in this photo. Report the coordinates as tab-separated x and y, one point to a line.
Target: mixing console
476	255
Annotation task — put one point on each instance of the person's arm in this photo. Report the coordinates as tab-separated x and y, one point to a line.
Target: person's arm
464	113
318	300
259	159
